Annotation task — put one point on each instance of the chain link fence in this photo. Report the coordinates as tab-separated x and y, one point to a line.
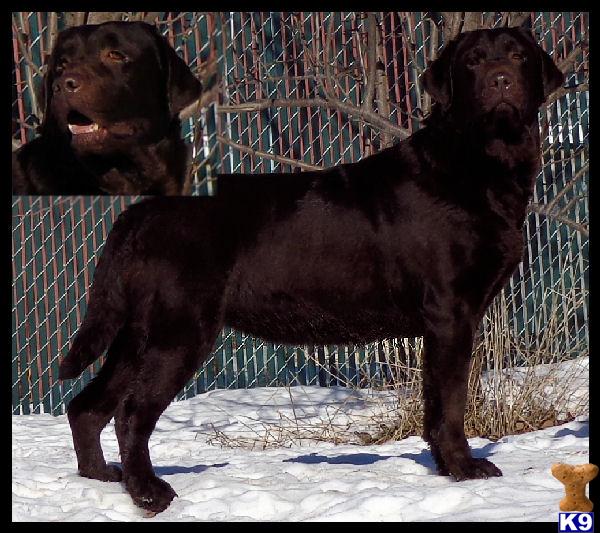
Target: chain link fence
292	85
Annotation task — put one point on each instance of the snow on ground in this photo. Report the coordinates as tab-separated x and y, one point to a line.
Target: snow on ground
315	481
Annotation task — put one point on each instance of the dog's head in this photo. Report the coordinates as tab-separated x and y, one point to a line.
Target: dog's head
492	74
111	85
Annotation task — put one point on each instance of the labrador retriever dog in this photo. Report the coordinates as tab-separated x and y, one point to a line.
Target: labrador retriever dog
112	95
415	240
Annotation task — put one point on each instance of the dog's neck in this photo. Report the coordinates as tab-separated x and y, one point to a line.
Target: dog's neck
127	171
511	159
513	150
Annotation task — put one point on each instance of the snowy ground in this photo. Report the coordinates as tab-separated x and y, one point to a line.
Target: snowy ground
313	481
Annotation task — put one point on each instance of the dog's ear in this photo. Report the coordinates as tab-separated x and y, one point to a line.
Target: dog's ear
45	92
437	79
552	76
183	88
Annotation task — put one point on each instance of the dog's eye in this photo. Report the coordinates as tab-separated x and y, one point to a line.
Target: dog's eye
518	57
60	64
115	55
473	61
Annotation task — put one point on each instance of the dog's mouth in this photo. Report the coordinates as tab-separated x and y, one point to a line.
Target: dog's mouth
506	105
79	124
85	131
503	108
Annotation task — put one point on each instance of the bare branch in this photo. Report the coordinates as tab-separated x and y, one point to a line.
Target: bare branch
434	44
566	64
574	156
560	214
24	51
328	84
195	167
178	18
425	98
489	19
53	29
237	81
517	18
410	45
473	21
382	87
314	64
74	18
208	74
98	17
23	124
577	226
416	116
350	109
561	91
151	17
274	157
371	54
578	175
452	24
30	66
571	203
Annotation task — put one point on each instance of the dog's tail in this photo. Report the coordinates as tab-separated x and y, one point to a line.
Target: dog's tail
106	312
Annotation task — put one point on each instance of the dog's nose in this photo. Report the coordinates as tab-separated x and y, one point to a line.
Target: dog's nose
500	81
72	85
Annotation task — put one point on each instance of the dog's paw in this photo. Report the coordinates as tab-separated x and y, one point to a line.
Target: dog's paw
153	495
473	468
106	473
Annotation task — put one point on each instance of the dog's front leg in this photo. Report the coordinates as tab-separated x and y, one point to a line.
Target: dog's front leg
448	344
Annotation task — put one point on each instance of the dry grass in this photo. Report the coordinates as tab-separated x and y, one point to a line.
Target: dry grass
531	385
514	386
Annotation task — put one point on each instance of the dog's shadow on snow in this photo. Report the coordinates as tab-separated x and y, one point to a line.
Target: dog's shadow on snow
348	459
582	432
171	470
423	458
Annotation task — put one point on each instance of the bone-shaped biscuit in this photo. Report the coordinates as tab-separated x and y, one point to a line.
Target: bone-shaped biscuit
575	478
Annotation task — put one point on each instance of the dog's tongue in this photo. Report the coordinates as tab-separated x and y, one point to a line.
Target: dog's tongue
77	129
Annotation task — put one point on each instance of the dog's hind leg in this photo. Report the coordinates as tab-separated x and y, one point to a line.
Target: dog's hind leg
94	406
173	353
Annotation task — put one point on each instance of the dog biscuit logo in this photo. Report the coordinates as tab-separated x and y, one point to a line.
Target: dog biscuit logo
577	506
575	479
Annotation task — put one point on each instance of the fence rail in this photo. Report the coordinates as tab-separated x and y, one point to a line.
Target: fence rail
293	58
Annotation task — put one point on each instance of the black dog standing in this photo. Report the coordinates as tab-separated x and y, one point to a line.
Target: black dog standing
413	241
112	96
